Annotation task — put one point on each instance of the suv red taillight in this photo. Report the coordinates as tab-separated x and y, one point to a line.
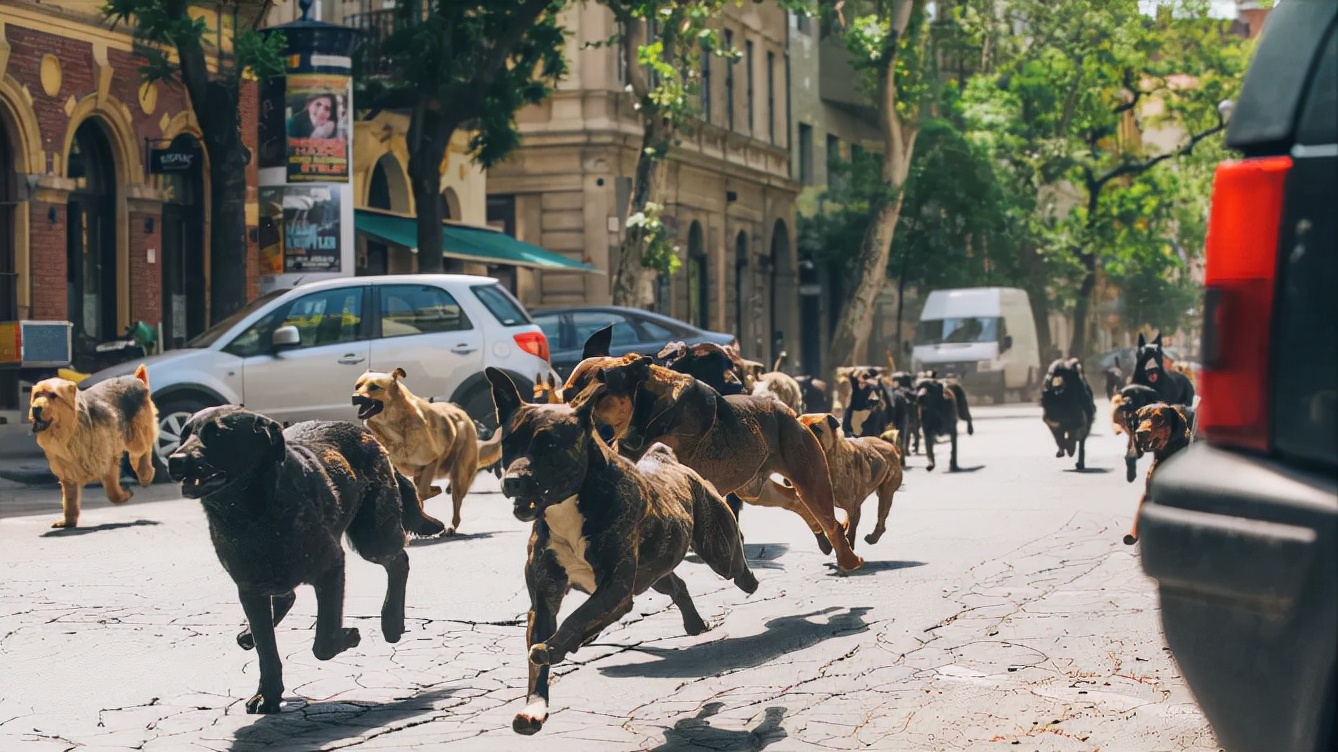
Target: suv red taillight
1241	265
534	343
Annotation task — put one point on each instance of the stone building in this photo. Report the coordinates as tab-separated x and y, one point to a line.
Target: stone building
730	197
86	233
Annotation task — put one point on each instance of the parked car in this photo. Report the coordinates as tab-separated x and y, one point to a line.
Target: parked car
294	354
634	331
985	336
1241	528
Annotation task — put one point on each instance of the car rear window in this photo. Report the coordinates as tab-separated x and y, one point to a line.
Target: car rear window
506	309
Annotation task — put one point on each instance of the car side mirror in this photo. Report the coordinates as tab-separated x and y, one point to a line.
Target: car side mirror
1007	343
286	337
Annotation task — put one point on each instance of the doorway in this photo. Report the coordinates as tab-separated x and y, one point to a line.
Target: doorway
183	249
90	242
9	267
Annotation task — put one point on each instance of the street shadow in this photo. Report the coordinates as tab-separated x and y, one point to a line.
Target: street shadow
873	567
66	532
966	469
438	539
758	555
782	636
303	725
1088	470
698	733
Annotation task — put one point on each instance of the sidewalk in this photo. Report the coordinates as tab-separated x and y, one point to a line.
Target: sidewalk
21	460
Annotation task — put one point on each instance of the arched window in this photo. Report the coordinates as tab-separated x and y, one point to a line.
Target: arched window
90	239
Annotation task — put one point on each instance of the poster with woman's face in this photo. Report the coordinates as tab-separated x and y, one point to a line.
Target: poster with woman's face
317	107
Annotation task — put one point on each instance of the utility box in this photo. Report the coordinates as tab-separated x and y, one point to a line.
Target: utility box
35	344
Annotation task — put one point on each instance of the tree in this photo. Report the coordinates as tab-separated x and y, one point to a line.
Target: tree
455	64
661	43
160	25
886	40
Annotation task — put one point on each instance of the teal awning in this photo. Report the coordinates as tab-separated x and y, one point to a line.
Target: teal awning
466	243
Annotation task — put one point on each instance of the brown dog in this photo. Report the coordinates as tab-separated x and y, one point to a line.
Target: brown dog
85	433
859	468
781	387
1163	430
426	440
734	442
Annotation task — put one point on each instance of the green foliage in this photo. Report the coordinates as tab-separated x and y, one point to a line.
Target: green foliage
160	25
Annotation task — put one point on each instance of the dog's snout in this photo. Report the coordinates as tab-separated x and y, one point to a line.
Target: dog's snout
177	465
37	412
514	485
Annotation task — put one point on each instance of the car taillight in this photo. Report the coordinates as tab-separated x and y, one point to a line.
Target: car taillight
1242	247
534	343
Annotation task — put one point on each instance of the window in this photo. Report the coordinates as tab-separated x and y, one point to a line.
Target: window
501	305
653	332
323	318
805	154
771	97
622	58
706	83
551	326
419	309
729	80
586	323
748	60
964	329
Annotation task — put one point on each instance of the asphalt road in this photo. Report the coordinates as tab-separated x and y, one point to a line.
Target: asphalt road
1001	611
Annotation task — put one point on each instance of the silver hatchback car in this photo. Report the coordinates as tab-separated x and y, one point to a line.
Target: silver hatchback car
294	354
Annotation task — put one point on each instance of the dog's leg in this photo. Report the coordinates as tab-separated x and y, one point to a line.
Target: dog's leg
806	467
414	519
952	458
332	637
1131	459
717	540
885	492
609	603
111	483
929	450
673	586
1082	452
422	480
1057	432
462	476
1132	537
547	583
70	494
279	605
392	610
269	694
852	522
144	467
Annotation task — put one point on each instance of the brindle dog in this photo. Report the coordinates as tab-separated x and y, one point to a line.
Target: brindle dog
1163	430
735	442
1126	403
602	525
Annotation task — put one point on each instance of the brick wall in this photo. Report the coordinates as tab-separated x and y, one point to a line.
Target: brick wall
146	280
47	246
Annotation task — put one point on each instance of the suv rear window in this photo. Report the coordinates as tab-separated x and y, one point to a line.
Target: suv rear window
506	309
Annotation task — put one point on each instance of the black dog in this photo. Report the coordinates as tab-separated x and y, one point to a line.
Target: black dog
278	502
903	383
941	404
876	406
1126	403
1068	408
1150	369
602	525
1114	379
814	393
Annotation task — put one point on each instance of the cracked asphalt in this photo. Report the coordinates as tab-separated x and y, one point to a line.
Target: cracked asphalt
1001	611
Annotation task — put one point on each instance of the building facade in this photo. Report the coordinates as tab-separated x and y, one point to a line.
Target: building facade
730	197
87	235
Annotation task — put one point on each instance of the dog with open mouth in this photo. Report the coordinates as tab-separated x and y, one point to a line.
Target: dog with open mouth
1068	408
426	439
1153	369
84	433
603	525
279	502
1161	430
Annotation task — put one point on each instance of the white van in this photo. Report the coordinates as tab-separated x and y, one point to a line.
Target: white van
983	336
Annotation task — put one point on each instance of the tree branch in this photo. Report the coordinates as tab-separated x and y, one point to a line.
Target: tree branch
1137	168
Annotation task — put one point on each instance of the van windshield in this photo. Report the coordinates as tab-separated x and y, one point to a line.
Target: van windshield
963	329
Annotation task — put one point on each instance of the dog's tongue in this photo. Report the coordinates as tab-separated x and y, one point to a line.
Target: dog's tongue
1152	376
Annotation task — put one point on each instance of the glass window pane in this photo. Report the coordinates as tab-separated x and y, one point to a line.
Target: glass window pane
419	309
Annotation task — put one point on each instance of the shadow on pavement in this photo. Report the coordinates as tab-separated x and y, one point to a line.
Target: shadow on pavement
966	469
873	567
1087	470
783	635
312	725
759	555
419	542
698	733
65	532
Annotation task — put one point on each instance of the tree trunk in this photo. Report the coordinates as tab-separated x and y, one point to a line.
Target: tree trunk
1083	307
633	281
426	151
1040	315
228	158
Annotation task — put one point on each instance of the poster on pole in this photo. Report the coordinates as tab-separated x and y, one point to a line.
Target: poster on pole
299	229
317	125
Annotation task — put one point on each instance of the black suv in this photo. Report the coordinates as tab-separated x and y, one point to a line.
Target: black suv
1240	528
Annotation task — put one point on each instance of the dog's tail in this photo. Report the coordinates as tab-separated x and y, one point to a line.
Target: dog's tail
490	451
414	519
963	409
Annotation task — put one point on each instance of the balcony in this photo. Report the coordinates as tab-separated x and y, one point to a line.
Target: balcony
376	26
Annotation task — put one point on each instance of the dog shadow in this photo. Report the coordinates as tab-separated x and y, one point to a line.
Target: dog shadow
781	636
966	469
698	733
1087	470
438	539
306	725
758	555
66	532
873	567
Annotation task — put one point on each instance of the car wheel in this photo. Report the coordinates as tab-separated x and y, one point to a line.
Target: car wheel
172	418
480	407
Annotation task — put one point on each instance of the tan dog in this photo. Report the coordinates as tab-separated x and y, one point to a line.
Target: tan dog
426	440
546	392
782	388
859	467
85	433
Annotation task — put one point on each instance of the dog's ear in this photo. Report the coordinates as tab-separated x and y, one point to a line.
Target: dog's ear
1142	341
273	431
1178	420
552	381
1157	340
505	394
68	391
832	422
538	381
672	351
598	344
398	374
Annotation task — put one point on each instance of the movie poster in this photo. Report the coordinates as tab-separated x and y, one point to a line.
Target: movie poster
317	111
299	229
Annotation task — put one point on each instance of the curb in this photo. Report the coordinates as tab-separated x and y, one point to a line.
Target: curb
30	475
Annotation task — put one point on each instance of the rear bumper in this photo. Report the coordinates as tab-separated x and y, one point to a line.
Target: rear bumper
1243	550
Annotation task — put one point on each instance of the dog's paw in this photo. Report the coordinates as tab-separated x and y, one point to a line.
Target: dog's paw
970	430
953	468
1130	539
857	563
930	467
346	637
1060	453
528	721
448	531
873	537
824	545
127	496
392	627
62	524
428	527
260	704
746	581
246	640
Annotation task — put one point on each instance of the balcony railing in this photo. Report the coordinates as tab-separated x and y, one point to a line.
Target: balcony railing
376	27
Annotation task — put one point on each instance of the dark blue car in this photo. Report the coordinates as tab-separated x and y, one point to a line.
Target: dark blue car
634	331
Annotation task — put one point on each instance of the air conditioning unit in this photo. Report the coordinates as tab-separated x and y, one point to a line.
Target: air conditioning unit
35	344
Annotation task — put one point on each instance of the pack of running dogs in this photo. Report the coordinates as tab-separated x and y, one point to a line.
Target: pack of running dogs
621	470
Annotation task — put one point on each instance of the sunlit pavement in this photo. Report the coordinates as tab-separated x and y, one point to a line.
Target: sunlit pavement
1001	610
